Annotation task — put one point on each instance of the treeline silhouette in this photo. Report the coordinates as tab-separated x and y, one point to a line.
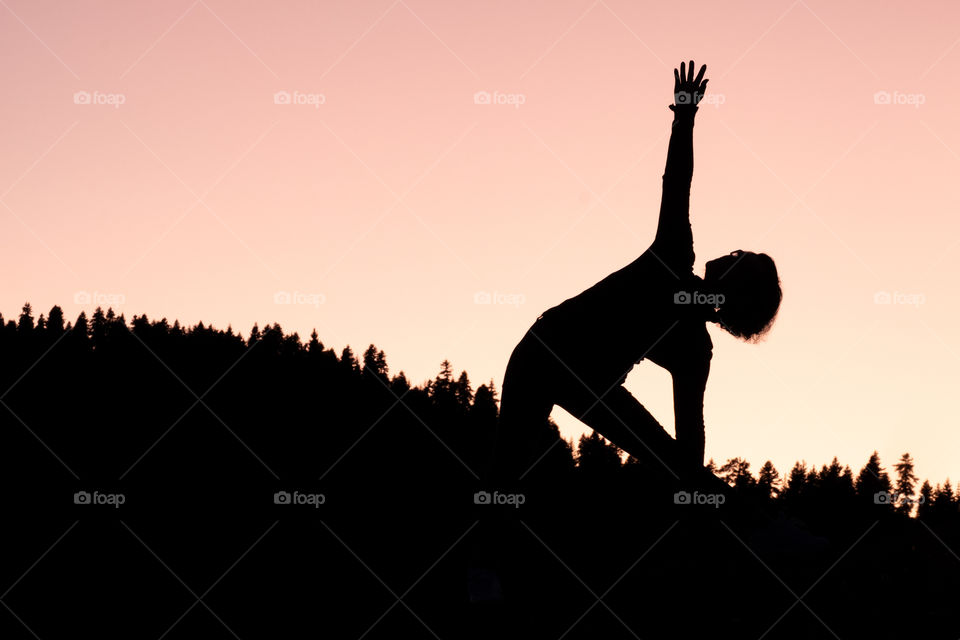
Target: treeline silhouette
216	443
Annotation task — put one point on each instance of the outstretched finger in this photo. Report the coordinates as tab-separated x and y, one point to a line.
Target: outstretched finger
683	72
676	80
690	70
703	70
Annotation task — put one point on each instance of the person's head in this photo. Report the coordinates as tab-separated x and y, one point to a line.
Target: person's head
751	292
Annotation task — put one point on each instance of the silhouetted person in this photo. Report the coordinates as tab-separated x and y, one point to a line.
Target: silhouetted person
578	353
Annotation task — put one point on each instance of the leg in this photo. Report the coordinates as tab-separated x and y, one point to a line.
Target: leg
524	434
622	420
522	438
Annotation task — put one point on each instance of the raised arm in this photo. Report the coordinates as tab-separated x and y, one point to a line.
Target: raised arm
674	240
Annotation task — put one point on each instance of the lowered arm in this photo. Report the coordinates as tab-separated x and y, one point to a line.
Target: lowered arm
688	390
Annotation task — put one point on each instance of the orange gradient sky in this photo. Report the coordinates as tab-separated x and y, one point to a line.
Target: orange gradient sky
392	198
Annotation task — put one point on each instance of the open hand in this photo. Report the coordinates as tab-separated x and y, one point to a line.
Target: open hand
687	91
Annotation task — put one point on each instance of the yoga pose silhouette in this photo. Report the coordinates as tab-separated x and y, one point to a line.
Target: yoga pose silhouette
578	353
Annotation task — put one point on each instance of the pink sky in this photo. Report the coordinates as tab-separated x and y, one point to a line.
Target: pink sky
398	199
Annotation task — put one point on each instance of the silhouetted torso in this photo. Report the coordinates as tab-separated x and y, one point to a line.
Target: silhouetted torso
633	313
626	317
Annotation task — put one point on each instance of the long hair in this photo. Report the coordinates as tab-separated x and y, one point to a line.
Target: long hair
752	295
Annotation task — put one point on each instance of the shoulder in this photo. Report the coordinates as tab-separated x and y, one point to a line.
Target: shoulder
675	257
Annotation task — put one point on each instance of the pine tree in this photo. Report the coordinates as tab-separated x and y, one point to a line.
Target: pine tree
141	326
399	384
314	347
493	391
595	454
25	324
441	388
944	503
736	472
830	478
381	361
767	480
98	328
795	487
54	322
463	391
925	501
485	404
375	363
906	481
873	483
348	361
443	383
79	334
370	361
846	481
